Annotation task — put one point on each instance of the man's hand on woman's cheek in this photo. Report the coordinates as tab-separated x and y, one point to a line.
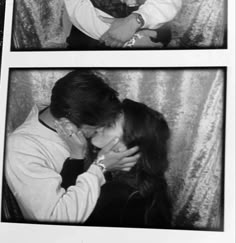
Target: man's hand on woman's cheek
75	140
122	160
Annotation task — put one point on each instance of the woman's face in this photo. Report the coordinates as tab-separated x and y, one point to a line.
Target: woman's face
104	135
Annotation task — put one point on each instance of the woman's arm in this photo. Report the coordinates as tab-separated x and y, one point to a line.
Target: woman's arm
70	170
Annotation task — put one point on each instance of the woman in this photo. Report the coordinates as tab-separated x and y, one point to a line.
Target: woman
137	198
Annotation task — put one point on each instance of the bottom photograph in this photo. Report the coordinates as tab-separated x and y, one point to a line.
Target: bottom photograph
140	148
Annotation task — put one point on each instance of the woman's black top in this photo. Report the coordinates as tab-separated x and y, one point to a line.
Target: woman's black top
119	203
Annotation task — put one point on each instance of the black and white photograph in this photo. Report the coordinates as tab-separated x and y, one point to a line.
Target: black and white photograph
64	165
117	121
119	24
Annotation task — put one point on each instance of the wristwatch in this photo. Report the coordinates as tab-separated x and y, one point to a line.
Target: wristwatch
139	19
99	162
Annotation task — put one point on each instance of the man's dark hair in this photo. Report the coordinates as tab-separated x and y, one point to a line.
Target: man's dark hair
84	98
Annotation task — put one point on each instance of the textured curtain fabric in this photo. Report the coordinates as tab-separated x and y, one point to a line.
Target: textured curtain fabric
192	101
42	24
39	24
200	24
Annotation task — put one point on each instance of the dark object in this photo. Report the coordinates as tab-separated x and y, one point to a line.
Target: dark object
77	40
10	209
163	35
115	8
71	169
110	205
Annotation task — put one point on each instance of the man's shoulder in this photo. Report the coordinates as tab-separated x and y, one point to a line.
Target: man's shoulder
26	130
20	140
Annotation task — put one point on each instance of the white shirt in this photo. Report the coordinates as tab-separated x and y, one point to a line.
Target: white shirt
85	16
34	159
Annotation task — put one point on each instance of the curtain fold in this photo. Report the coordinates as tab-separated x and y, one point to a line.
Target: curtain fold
42	24
200	24
192	100
38	24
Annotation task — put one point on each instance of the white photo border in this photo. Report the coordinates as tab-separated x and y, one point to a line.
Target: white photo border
28	233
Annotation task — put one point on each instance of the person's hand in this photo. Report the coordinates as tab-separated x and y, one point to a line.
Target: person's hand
120	31
123	160
76	142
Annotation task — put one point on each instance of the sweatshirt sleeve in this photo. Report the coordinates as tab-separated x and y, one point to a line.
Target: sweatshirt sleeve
37	187
84	16
157	12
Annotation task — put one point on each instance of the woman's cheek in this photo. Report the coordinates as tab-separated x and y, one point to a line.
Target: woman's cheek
100	141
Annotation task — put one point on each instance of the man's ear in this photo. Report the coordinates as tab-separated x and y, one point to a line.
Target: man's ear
68	126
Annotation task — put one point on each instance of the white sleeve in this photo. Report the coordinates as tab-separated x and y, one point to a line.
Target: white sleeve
37	187
84	16
157	12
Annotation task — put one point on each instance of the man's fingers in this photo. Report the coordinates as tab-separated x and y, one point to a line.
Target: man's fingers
120	44
128	164
116	43
129	152
60	130
108	40
79	138
126	169
131	159
109	146
106	20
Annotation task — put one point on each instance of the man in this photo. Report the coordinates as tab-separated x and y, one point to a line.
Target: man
115	23
81	103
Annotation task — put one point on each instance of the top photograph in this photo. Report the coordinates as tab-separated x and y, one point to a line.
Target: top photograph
39	25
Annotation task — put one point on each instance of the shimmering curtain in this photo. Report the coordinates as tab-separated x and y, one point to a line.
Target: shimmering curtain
192	102
39	24
200	24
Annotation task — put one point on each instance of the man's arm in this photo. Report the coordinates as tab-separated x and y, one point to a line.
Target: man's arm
154	14
37	185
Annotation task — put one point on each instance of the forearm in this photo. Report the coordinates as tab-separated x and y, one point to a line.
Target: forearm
41	197
79	201
157	12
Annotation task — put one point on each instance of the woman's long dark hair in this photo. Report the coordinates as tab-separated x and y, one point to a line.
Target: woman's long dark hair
149	130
